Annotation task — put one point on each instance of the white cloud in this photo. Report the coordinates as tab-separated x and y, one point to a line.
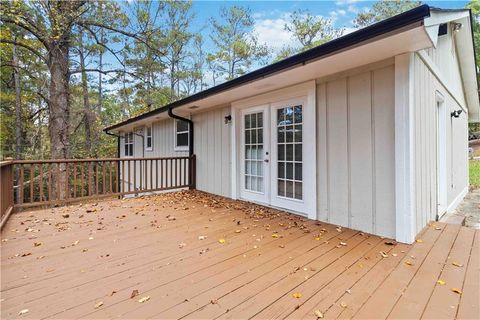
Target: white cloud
272	32
352	9
345	2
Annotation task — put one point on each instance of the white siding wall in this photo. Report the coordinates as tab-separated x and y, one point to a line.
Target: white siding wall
426	85
355	150
212	147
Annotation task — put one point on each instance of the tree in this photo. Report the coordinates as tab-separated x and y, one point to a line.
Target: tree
474	6
236	47
382	10
308	30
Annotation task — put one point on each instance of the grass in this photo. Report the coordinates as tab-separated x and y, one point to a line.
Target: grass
474	174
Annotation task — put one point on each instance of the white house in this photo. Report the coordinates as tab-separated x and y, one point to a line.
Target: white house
368	131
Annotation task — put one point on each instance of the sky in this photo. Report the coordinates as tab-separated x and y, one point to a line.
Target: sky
270	16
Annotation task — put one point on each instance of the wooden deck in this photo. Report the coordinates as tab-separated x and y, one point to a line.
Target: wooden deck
192	255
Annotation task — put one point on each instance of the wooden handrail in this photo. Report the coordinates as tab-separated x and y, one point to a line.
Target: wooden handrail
61	181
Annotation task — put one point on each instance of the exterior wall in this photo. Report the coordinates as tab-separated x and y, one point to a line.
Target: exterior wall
212	147
355	150
211	144
426	85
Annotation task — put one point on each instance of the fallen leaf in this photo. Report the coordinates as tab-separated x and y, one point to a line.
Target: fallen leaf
238	231
441	282
456	264
419	241
26	254
297	295
98	304
112	293
318	314
66	215
202	237
390	243
222	241
37	244
343	243
134	294
214	301
384	254
409	263
181	245
144	299
275	235
343	304
22	312
456	290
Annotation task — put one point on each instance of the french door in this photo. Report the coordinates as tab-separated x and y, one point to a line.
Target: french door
272	155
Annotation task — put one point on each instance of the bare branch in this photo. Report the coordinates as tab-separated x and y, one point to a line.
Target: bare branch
28	28
105	72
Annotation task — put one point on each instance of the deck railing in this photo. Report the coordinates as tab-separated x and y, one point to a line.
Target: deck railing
31	183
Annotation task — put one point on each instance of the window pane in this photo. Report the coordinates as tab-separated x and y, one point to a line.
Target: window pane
281	188
182	139
289	115
247	136
149	142
280	117
289	189
248	152
182	126
260	184
298	152
260	119
247	121
289	148
289	170
254	184
254	168
149	131
298	133
247	167
253	154
260	135
131	150
254	136
253	120
289	133
126	150
260	168
281	134
247	182
298	190
281	169
281	152
298	114
260	152
298	171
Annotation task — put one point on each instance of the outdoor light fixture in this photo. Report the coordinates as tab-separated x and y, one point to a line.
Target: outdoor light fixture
228	119
456	26
456	113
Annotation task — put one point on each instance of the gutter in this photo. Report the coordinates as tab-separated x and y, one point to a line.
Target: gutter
190	129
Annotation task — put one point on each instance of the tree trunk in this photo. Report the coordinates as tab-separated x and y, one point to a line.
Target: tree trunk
18	114
59	110
87	110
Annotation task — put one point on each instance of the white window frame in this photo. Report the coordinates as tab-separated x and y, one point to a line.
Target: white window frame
147	148
130	142
176	133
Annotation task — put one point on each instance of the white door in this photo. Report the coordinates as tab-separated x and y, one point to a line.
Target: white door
288	154
273	153
254	164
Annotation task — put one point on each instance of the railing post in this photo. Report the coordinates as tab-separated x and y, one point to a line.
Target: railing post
6	192
192	183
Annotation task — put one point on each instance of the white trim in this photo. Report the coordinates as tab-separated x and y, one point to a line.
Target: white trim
438	74
175	133
441	154
146	137
234	134
452	206
404	149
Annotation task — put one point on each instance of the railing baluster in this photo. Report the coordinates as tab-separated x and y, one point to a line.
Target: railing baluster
49	182
82	178
140	175
67	183
96	177
32	168
103	177
110	176
22	172
41	181
74	180
57	193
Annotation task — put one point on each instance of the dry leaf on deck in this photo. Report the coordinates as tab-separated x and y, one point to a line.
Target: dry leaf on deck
419	240
37	244
409	263
456	290
144	299
441	282
134	294
222	241
22	312
318	314
98	304
343	304
456	264
297	295
384	254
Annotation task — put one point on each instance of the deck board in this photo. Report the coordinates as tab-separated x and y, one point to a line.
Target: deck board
268	255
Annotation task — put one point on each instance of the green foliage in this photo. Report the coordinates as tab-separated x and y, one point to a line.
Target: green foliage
474	167
382	10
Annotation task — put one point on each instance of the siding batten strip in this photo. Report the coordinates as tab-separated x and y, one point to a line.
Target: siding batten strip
374	167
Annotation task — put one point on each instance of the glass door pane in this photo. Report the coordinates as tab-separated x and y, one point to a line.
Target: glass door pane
254	151
290	157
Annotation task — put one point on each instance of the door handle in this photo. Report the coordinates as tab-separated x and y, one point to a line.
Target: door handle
266	160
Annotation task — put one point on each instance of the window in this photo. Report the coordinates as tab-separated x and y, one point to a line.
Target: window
148	138
129	144
181	135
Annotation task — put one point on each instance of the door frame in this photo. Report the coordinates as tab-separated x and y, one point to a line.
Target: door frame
307	91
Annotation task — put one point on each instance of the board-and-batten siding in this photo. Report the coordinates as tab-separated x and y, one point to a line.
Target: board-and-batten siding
355	151
212	148
426	86
211	144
